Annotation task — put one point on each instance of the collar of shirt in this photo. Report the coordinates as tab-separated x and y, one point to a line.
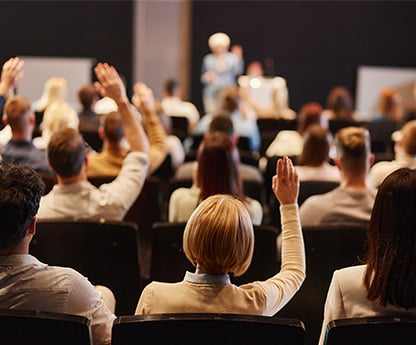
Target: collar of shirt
207	278
19	260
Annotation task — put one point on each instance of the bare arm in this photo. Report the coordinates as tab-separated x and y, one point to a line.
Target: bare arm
110	84
11	74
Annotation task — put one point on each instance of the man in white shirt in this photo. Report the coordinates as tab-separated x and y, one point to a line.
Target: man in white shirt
74	197
27	283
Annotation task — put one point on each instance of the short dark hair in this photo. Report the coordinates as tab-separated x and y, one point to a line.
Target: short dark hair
17	109
170	86
222	123
21	188
86	95
316	146
390	274
113	127
66	152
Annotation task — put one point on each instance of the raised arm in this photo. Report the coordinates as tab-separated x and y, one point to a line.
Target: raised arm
11	74
110	84
144	101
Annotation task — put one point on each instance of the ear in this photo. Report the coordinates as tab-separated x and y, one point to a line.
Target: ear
371	159
101	133
4	119
32	119
86	160
338	163
32	227
235	139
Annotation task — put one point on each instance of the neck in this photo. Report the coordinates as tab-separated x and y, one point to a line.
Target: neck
22	135
82	176
21	248
354	182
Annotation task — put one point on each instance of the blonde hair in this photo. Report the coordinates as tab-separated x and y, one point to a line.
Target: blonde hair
219	236
219	39
58	116
54	90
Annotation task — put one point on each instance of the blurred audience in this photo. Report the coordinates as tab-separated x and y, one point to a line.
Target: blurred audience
88	119
389	105
340	105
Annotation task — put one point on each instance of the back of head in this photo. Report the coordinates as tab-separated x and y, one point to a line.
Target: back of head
170	87
390	104
353	148
17	110
309	114
222	123
55	90
390	277
21	189
340	102
66	152
113	127
408	137
230	98
218	166
219	236
316	146
87	96
57	116
219	39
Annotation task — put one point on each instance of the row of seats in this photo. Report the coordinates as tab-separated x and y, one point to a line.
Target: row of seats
108	253
43	328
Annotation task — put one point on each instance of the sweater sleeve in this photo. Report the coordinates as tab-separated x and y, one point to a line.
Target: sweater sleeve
280	288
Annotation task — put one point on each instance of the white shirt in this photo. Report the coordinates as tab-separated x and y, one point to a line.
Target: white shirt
26	283
110	201
174	106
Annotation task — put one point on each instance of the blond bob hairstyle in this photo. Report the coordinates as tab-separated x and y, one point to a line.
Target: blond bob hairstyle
219	39
219	236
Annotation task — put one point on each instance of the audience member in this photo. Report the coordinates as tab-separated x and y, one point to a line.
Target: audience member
350	203
219	69
57	116
339	105
11	74
385	285
55	90
216	172
88	119
313	163
27	283
405	155
222	123
244	126
20	148
289	142
389	105
219	240
110	161
173	104
73	196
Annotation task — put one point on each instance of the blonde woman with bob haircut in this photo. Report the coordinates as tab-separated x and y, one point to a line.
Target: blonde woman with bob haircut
219	240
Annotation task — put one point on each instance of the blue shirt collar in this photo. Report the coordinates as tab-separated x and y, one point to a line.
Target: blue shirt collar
207	278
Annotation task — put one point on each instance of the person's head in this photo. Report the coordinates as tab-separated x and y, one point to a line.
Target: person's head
222	123
19	114
309	114
88	96
66	152
171	87
113	129
54	90
219	43
316	145
218	166
219	236
57	116
280	95
230	99
255	69
353	150
21	189
408	138
340	102
390	275
390	104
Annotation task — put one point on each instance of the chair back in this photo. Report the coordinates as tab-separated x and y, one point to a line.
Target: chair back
270	127
32	327
206	329
93	139
327	249
180	125
396	330
105	252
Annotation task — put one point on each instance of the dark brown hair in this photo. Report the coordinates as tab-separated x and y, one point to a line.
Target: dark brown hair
316	145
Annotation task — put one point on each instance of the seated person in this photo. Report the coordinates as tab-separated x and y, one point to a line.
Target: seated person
217	171
290	142
115	147
20	148
219	240
244	126
339	105
350	203
88	119
222	123
405	155
385	285
27	283
313	163
74	197
173	105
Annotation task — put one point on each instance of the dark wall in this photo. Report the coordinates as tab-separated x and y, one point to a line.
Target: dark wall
98	29
314	45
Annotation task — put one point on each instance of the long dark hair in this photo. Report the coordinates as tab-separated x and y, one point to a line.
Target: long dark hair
390	277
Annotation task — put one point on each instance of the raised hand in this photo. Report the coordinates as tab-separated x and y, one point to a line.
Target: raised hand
11	74
109	83
285	183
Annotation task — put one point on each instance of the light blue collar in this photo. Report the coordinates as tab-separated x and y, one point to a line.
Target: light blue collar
207	278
